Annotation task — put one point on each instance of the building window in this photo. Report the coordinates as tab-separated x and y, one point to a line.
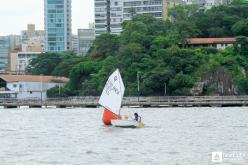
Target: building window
30	92
14	85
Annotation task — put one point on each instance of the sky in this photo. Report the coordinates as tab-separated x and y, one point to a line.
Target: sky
16	14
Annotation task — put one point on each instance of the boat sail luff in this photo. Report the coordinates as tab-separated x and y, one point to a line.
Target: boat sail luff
113	92
121	90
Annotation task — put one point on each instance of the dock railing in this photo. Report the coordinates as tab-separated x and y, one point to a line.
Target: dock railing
152	101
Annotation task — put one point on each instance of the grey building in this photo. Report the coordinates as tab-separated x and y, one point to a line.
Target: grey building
58	25
108	16
86	38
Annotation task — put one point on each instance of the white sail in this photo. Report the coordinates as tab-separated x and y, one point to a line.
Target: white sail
113	92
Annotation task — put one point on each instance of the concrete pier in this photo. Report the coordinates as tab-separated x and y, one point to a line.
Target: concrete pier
158	101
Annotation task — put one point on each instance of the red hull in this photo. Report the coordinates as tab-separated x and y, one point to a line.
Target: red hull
108	116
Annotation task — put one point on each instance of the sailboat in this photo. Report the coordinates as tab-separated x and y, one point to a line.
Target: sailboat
111	99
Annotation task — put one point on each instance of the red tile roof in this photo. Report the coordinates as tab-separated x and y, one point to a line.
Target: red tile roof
32	78
193	41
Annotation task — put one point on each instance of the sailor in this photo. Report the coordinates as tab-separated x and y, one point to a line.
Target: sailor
137	117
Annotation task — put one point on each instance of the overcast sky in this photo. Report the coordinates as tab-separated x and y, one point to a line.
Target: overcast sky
16	14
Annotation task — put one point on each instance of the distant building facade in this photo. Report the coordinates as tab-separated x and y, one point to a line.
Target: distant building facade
86	38
31	32
33	40
208	4
14	41
13	53
74	42
30	87
4	52
132	8
58	25
108	16
33	45
20	60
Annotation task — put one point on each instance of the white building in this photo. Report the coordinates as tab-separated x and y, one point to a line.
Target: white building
30	87
86	38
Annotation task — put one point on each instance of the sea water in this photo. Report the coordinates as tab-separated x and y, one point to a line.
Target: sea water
171	136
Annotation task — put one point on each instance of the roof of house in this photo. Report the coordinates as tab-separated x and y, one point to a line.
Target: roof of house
32	78
210	40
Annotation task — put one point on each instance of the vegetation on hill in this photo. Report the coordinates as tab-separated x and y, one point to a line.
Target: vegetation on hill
148	47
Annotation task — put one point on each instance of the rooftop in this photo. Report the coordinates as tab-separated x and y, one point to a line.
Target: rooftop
33	78
210	40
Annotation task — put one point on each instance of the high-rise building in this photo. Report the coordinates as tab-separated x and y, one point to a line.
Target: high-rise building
58	25
4	52
132	8
86	38
108	16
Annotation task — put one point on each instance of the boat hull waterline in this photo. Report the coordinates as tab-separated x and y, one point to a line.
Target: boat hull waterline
126	123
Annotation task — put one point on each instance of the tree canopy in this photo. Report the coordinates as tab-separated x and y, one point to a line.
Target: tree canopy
149	47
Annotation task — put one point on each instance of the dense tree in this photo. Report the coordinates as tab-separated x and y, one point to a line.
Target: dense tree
242	45
56	64
44	64
148	48
241	27
105	45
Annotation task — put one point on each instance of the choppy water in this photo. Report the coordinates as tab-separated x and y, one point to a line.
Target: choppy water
172	136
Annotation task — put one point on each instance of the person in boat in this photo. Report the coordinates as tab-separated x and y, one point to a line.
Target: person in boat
137	117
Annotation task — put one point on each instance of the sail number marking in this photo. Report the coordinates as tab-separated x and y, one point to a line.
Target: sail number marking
110	87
